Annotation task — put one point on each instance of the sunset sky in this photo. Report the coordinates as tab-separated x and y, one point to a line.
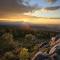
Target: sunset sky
32	11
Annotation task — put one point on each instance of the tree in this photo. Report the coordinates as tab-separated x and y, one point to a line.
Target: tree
7	42
24	54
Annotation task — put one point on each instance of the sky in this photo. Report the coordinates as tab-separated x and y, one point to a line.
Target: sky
29	9
45	8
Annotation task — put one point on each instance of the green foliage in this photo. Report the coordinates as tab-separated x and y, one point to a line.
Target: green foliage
24	54
7	42
12	42
8	55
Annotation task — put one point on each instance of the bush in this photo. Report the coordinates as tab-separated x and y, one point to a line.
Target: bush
24	54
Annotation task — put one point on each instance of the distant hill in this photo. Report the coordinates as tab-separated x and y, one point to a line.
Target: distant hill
22	25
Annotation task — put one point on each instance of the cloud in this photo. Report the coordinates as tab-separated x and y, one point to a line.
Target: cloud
18	6
50	1
44	12
10	7
36	12
52	8
48	9
13	6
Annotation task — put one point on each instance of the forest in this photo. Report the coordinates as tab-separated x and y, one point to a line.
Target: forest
22	44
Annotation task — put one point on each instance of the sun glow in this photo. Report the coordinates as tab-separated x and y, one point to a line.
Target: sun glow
32	20
29	19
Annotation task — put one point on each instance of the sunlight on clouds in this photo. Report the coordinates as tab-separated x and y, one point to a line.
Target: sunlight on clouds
31	17
40	13
35	12
44	21
32	20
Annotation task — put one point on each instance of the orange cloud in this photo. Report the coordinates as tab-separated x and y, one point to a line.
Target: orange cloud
30	19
